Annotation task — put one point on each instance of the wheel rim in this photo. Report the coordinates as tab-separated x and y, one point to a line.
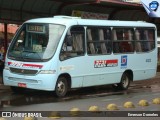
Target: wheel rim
61	87
125	81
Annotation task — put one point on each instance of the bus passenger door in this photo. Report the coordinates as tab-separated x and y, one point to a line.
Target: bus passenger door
72	55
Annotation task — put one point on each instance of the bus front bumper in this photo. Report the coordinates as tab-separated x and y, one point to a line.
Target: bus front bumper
40	81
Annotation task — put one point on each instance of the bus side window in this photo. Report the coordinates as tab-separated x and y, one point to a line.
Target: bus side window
116	48
151	39
73	45
91	48
77	43
144	40
108	42
127	43
123	40
98	40
101	38
138	44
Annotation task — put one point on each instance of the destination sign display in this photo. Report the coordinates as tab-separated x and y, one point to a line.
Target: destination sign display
36	28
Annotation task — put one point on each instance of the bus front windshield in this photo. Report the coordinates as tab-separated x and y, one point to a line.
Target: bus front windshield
35	42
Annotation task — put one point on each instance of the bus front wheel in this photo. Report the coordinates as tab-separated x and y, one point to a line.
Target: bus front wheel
125	82
61	87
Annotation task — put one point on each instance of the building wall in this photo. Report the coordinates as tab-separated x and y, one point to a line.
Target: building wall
11	28
133	1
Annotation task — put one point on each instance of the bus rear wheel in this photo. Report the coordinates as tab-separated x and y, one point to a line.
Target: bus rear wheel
61	87
125	82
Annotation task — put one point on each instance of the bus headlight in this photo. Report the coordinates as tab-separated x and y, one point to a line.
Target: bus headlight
47	72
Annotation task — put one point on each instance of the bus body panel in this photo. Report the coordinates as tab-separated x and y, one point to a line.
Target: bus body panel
98	73
146	67
83	72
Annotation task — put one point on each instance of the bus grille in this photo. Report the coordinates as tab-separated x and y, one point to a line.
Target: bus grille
23	71
23	80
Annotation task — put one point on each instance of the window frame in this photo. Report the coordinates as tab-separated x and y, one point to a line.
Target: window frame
154	39
120	40
99	41
69	52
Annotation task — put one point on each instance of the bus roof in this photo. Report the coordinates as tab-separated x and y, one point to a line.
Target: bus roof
66	20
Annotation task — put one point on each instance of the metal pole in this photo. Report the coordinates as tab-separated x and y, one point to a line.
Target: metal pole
5	39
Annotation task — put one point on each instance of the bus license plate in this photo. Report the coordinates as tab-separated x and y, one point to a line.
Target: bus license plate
22	85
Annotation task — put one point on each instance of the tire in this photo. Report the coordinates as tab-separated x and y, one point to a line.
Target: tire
124	84
17	89
61	87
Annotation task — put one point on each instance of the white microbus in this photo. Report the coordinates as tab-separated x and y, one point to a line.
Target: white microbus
60	53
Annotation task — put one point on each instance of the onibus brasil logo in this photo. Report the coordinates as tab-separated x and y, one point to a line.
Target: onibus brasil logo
151	7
